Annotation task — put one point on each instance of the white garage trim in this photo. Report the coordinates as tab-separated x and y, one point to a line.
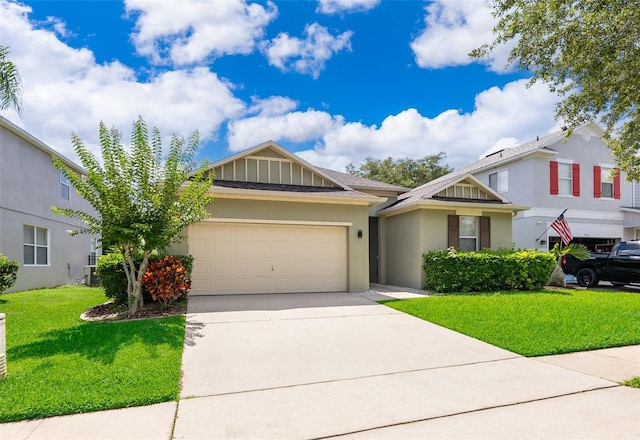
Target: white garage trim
276	222
250	258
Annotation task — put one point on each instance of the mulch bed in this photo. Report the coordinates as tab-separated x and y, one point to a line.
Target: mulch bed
110	312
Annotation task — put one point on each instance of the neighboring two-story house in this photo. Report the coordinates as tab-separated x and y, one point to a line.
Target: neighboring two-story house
555	172
29	232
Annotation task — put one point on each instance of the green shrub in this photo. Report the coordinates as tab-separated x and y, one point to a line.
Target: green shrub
504	269
8	273
114	281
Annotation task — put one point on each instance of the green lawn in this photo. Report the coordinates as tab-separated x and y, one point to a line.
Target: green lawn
58	364
536	323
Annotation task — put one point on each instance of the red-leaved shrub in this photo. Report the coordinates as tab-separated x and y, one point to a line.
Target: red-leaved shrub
166	280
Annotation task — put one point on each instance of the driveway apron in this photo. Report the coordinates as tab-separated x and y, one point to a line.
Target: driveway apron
303	366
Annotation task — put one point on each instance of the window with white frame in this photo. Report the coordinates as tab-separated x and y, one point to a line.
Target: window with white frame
499	181
65	187
468	233
93	252
565	181
606	182
35	246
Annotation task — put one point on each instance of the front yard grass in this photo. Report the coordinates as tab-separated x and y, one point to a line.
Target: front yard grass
535	323
57	364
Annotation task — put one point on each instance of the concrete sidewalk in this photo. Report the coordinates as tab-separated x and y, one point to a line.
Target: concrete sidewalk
322	365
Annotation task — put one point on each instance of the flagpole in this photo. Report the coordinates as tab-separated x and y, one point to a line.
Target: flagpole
545	231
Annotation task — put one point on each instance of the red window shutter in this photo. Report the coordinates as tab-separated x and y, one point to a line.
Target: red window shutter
453	231
575	176
616	183
485	232
553	177
597	181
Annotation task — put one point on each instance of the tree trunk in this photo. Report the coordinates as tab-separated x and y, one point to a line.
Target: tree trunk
557	277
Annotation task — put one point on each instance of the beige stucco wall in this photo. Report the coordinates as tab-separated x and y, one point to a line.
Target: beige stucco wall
357	248
401	236
409	235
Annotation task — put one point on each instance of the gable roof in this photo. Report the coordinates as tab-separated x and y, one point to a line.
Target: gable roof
270	171
450	192
275	153
541	146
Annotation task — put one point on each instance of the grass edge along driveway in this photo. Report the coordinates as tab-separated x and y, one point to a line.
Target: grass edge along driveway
57	364
535	323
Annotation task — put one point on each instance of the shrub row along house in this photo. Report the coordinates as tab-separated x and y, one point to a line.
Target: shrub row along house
281	224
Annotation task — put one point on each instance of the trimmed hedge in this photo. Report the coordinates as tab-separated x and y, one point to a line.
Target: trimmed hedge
114	281
8	273
486	271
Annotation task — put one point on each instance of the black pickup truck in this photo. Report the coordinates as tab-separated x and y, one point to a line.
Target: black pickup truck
621	266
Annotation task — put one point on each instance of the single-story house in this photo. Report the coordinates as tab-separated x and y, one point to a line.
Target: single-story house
279	224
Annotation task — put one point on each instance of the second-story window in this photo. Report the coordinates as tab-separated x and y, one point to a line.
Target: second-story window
606	182
565	181
65	187
564	178
499	181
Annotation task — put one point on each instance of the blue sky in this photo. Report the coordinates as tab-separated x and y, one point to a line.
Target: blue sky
332	80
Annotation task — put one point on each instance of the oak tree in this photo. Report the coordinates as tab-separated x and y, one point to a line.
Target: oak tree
405	172
587	52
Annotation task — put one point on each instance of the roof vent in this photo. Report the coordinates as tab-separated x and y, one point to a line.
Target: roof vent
495	152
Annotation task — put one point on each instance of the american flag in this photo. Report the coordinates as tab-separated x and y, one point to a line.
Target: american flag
561	227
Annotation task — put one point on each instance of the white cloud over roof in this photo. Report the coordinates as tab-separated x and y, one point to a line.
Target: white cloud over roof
514	111
66	90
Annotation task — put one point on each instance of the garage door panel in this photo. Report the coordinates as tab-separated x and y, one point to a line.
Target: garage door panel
263	258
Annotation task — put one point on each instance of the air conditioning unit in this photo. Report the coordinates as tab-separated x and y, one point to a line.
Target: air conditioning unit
90	277
3	349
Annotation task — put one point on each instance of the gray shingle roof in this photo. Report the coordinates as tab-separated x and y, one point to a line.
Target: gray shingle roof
358	182
427	190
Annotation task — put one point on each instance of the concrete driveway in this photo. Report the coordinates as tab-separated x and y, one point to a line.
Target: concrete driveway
337	364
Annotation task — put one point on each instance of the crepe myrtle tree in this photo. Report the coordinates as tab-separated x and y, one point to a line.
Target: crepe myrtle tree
143	199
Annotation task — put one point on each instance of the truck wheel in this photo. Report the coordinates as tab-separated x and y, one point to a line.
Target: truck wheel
587	277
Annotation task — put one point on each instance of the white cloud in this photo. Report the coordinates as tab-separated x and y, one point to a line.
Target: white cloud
349	6
272	106
308	55
190	31
293	127
452	29
65	90
515	111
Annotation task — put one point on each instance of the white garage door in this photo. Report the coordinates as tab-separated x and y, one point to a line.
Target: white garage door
263	258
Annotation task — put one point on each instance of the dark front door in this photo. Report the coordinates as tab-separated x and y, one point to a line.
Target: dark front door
373	249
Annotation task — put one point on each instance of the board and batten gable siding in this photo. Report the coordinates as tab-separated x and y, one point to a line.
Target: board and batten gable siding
283	212
268	166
